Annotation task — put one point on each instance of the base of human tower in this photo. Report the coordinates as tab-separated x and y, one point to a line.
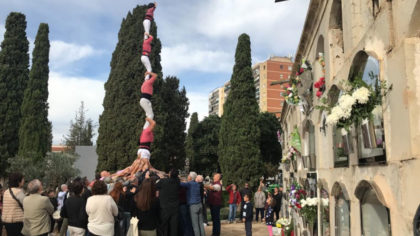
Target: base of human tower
140	167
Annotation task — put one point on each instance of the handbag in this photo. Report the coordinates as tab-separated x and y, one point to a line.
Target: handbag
133	230
56	215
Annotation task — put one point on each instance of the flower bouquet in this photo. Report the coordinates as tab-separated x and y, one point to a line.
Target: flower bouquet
309	209
296	194
320	85
286	225
291	95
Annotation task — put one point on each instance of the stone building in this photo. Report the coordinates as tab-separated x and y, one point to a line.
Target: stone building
369	173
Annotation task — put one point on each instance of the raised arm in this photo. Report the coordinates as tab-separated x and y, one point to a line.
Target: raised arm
152	123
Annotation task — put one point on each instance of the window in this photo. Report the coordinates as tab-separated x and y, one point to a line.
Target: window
281	67
416	223
342	211
370	134
336	27
309	146
325	212
289	68
375	216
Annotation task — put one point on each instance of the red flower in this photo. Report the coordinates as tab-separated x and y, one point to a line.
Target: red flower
301	70
322	79
319	94
317	85
298	205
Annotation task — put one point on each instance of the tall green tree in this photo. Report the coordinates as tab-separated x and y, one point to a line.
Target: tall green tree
269	145
121	122
35	131
239	133
14	72
81	130
205	146
189	150
171	111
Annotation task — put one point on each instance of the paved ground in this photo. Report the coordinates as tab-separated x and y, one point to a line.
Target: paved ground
258	229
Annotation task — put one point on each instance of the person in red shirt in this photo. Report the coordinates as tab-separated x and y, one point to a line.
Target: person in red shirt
146	95
234	201
147	22
147	49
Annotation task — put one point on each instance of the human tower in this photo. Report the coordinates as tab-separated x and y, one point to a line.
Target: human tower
142	163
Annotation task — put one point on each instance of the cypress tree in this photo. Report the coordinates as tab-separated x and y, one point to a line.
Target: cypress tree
121	122
206	141
35	129
171	110
189	150
239	153
14	64
269	145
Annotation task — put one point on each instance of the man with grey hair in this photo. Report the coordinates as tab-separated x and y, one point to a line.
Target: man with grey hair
38	209
194	203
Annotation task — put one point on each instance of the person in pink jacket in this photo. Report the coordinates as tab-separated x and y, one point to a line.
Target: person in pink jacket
147	22
146	95
146	50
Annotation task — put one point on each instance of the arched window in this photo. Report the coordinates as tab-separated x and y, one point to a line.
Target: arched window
370	134
336	26
325	212
342	210
375	216
342	143
309	145
416	223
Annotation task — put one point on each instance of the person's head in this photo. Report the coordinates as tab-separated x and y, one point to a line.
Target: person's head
16	180
272	202
35	186
216	177
246	198
85	182
64	187
192	176
276	190
234	187
150	5
173	174
280	189
97	176
145	196
99	188
117	191
77	188
199	179
246	185
51	193
104	174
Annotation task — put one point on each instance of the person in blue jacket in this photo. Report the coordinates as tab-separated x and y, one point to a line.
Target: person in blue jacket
194	203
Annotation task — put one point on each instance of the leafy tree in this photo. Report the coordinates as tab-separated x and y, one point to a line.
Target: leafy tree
189	140
269	145
81	130
206	141
122	120
53	169
239	133
35	131
14	64
171	110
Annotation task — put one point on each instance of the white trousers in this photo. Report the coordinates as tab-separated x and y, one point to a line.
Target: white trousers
75	231
146	62
147	107
146	25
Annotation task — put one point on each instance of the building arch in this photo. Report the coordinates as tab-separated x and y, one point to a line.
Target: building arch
341	209
335	28
375	215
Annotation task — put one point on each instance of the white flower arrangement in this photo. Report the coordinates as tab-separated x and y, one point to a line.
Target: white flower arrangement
309	202
324	202
361	95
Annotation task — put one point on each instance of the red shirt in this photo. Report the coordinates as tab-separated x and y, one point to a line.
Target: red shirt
147	45
147	86
149	13
215	197
146	136
234	197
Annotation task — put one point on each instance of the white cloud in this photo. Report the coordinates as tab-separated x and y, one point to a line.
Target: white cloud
184	58
198	103
62	53
65	95
2	30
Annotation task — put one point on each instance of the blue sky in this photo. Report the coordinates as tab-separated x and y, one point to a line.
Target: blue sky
198	36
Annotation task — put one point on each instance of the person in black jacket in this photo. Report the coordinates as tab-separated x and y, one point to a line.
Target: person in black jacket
74	209
169	203
147	208
247	214
53	200
243	192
